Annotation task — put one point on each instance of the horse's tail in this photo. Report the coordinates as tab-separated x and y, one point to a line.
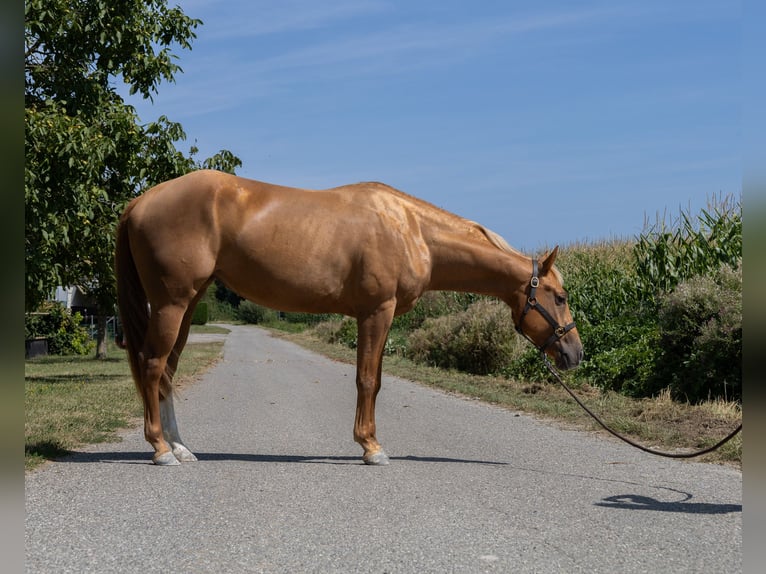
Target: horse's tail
133	305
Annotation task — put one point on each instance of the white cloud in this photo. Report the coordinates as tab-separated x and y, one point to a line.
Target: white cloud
235	73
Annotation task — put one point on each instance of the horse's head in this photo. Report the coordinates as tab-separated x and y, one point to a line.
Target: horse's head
541	314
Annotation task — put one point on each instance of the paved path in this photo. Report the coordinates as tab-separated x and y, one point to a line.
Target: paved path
280	487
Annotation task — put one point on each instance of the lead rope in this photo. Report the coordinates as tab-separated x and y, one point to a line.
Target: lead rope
720	443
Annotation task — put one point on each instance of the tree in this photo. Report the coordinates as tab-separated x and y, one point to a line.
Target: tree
87	154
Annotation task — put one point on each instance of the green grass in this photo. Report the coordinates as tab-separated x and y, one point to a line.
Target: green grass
210	329
70	401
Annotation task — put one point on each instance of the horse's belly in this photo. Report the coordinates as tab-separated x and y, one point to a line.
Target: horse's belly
291	284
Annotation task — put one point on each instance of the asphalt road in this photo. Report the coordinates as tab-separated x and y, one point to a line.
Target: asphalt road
280	487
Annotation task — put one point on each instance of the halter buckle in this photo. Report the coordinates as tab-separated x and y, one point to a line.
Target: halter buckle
534	282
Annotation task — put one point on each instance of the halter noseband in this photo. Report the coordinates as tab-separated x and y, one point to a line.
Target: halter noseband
558	330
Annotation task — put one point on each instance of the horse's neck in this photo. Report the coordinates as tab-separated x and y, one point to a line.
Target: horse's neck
472	264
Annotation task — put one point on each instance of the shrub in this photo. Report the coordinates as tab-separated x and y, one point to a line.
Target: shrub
701	325
200	315
218	308
479	340
623	356
62	329
526	365
434	304
337	331
345	333
305	318
225	295
250	312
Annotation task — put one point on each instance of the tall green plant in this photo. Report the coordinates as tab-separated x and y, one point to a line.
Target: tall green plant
601	281
667	253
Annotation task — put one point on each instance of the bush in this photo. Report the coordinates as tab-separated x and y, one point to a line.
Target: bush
305	318
701	324
250	312
434	304
225	295
218	308
526	365
345	333
623	357
62	329
479	340
200	315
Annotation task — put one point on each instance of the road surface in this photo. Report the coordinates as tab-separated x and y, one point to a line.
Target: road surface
280	487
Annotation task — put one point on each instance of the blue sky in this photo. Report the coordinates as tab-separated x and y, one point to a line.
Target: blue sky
548	122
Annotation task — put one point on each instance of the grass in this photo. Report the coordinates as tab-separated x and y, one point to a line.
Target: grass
70	401
657	422
209	329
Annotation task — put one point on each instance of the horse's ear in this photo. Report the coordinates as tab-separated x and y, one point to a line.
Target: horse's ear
548	261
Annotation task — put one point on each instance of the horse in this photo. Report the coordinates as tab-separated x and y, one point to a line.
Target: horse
364	250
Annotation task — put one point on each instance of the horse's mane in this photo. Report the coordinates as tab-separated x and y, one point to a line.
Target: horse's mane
496	240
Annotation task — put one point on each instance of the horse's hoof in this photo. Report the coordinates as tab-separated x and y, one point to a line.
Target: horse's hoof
183	454
379	458
165	459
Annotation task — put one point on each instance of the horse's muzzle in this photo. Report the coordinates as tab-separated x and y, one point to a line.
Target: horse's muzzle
568	355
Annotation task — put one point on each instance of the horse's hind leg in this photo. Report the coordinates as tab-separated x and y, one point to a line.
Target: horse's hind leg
167	412
164	326
170	431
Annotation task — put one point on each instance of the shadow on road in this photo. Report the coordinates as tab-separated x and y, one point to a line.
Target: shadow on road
145	458
638	502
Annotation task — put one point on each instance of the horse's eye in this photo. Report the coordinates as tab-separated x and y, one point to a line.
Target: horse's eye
561	298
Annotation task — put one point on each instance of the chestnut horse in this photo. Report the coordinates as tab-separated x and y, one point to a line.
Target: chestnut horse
365	250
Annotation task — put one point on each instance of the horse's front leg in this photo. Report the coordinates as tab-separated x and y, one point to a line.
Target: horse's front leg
371	340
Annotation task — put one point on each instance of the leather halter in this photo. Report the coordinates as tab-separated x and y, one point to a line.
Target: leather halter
558	330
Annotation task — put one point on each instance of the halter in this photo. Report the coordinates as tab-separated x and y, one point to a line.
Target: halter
558	330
